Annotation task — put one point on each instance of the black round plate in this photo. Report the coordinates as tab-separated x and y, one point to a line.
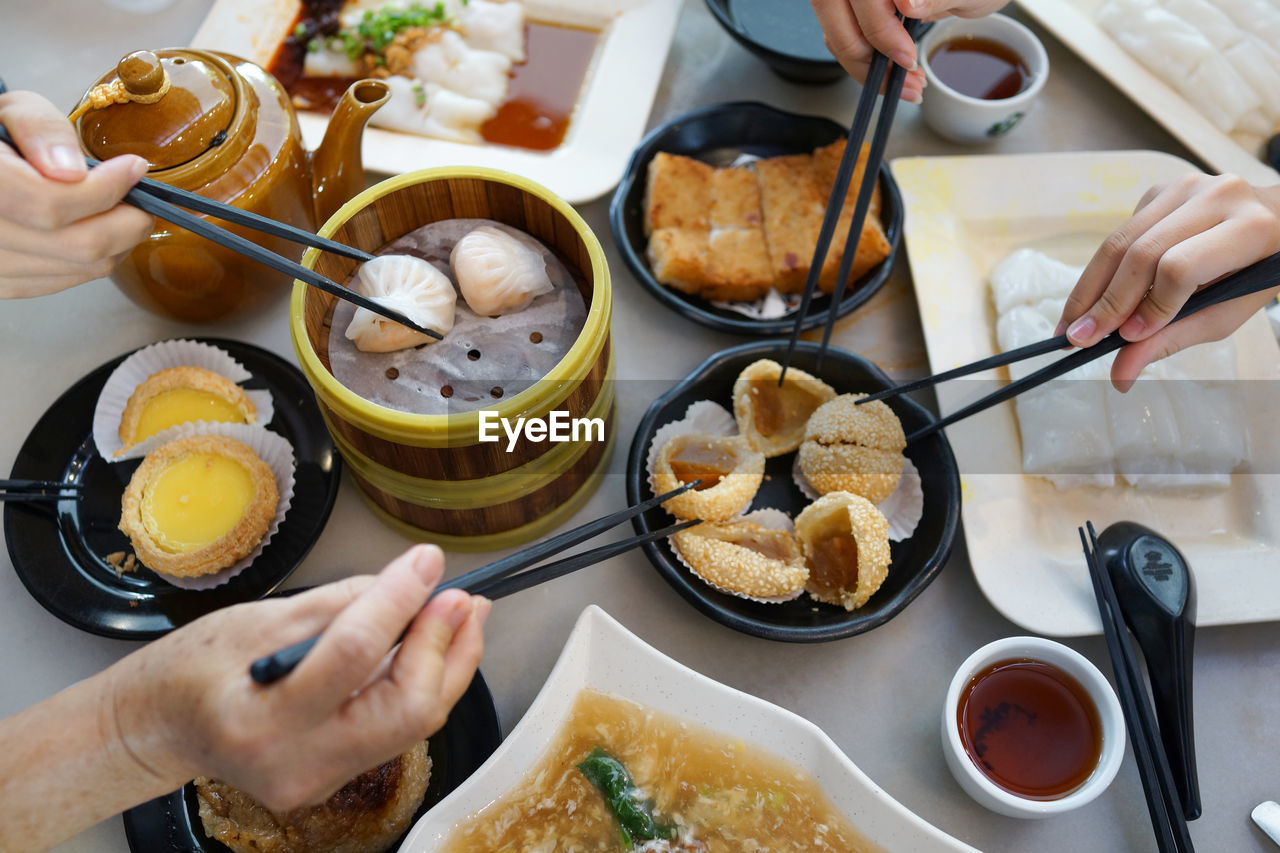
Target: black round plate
789	66
57	549
171	824
915	561
717	135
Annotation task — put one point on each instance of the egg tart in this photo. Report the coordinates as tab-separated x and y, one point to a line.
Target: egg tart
770	416
744	558
180	395
729	469
846	545
852	448
198	505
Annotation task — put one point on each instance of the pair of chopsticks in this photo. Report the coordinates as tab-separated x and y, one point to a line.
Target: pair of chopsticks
870	175
39	490
508	575
1256	277
1163	801
167	203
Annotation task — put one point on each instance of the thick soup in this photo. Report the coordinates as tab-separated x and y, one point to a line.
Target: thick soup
709	793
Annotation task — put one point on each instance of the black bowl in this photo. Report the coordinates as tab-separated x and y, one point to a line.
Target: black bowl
915	561
718	134
813	67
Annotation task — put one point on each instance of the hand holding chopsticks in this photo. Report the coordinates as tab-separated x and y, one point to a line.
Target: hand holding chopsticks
1163	802
1254	278
507	576
844	175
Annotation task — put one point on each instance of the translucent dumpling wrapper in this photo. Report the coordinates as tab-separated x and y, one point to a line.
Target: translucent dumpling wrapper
496	273
406	284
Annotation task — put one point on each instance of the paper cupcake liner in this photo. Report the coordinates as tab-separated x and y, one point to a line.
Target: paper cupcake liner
772	306
703	416
903	509
774	519
274	450
135	369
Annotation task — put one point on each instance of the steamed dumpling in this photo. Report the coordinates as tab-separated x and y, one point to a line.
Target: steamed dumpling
496	273
409	285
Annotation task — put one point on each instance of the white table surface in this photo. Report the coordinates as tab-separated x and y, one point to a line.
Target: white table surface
878	695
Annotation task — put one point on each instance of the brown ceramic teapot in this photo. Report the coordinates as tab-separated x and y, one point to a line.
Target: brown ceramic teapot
223	127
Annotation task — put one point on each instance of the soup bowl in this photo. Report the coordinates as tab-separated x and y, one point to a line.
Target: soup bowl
602	655
433	476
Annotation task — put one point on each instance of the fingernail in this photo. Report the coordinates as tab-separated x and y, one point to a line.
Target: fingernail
1133	327
916	98
66	159
483	606
137	169
459	613
1082	329
901	57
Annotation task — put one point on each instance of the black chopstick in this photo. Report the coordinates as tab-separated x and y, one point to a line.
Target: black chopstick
870	178
275	666
150	196
1254	278
14	491
1163	802
844	175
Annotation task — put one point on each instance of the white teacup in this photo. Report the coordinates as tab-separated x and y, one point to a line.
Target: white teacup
963	118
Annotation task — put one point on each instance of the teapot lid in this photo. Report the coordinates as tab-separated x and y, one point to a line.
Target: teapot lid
168	107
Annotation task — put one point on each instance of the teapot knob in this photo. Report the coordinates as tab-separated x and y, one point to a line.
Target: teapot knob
142	73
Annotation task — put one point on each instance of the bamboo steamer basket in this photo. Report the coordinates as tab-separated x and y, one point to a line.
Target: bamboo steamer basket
429	476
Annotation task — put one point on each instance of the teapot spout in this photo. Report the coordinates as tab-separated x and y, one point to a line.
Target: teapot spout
336	166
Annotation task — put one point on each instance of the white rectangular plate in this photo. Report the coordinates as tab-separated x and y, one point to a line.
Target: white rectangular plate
963	214
602	655
1072	21
606	126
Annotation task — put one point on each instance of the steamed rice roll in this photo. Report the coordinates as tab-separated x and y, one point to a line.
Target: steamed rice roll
448	62
498	27
1027	277
1066	435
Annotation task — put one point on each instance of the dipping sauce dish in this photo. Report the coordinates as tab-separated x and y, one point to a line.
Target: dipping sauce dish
1031	728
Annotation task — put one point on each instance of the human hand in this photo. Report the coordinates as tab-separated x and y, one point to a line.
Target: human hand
855	29
60	223
186	706
1182	237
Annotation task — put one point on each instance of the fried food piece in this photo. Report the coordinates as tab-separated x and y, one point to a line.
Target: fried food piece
846	544
198	505
677	193
678	258
367	815
738	268
793	206
773	418
873	246
730	471
744	558
853	448
826	163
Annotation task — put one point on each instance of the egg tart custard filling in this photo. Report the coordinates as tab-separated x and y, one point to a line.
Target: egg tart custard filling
198	505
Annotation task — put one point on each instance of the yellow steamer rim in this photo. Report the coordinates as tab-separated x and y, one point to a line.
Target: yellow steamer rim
449	185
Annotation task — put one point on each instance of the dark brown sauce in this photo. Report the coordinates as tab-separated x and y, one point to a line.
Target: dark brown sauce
544	88
980	68
1030	728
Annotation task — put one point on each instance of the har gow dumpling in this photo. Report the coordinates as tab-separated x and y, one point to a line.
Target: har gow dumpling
497	273
409	285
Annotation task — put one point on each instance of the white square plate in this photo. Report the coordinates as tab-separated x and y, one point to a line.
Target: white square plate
602	655
963	214
608	123
1072	21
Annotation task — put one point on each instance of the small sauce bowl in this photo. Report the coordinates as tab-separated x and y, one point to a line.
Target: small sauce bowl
964	118
1110	719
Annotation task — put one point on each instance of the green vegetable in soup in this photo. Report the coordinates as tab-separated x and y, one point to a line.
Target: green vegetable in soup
622	796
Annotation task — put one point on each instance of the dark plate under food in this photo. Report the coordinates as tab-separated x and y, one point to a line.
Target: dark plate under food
914	561
718	135
171	824
58	549
783	33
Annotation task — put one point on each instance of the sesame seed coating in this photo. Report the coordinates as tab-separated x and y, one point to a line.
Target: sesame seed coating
724	500
841	514
737	568
853	448
788	407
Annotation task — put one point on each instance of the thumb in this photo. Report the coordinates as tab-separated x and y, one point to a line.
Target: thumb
43	135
